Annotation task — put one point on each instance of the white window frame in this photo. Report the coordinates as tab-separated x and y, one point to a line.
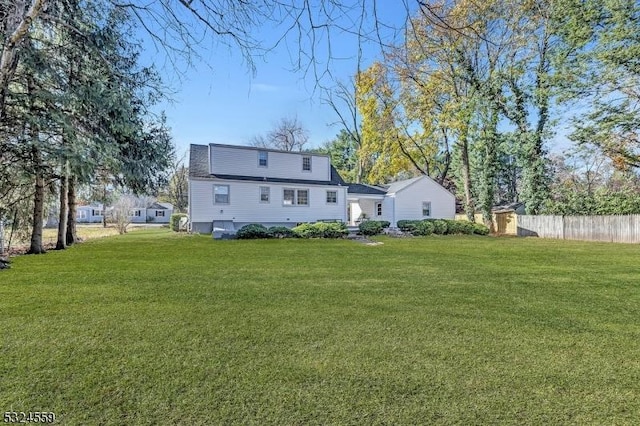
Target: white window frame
267	192
426	204
306	157
284	198
296	197
379	208
335	199
266	158
83	214
228	194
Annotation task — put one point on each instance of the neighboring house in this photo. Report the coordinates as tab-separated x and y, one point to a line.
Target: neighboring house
139	215
90	214
159	212
155	213
231	186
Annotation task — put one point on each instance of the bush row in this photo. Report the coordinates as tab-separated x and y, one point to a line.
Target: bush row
373	227
305	230
441	227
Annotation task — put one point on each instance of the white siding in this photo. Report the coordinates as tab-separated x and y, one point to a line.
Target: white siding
139	219
152	218
245	206
228	160
408	201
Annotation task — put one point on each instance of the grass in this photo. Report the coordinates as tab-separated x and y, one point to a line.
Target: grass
20	242
160	328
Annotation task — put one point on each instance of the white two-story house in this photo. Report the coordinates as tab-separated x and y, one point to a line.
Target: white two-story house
232	186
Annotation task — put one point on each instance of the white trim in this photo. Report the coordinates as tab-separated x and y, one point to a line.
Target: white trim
260	200
310	164
228	194
430	209
335	191
378	209
266	159
295	197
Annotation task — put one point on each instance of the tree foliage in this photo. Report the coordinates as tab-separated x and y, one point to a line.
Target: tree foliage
76	107
343	154
608	76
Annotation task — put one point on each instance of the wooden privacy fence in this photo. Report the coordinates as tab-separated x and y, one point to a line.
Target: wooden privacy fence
616	229
504	223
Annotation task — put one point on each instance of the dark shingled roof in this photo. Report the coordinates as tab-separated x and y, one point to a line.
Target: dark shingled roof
157	206
274	180
359	188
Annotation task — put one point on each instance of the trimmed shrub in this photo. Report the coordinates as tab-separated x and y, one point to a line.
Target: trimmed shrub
281	232
306	230
460	227
174	221
253	231
385	223
332	229
439	226
454	227
370	227
408	225
480	229
423	228
321	230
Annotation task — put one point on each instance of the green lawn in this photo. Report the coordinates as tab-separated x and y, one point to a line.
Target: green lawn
159	328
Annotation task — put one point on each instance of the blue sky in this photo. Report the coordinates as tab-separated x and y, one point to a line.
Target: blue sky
220	100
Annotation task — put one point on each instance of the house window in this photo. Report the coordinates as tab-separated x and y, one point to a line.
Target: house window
306	163
159	213
220	194
136	213
289	197
264	194
332	197
96	212
426	208
303	197
263	158
295	197
378	209
82	214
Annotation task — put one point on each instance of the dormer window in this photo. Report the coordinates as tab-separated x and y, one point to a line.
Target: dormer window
263	158
306	163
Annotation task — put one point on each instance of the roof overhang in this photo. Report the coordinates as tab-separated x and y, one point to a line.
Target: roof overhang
356	197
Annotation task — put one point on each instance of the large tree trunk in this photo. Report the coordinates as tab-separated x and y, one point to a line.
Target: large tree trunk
61	244
17	26
104	206
38	206
72	236
469	206
1	234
